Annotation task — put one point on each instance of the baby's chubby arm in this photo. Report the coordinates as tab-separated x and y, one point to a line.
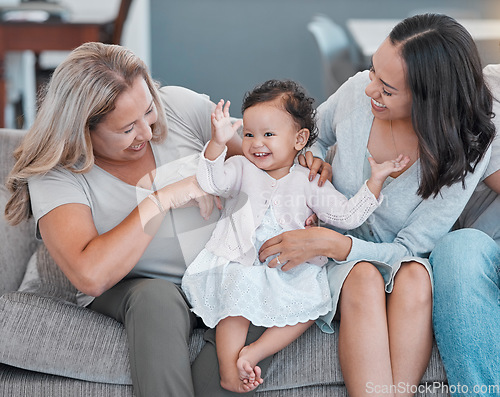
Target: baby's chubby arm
223	130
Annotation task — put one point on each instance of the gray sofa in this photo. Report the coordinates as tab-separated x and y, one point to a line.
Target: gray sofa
51	347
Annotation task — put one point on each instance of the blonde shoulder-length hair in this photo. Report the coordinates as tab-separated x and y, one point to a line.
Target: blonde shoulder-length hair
81	92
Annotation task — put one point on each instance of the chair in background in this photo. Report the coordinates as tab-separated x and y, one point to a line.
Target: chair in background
20	106
337	53
28	71
111	33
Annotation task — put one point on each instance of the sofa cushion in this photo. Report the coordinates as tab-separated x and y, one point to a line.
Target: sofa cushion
56	337
31	278
18	242
18	382
49	280
52	336
313	360
99	343
44	277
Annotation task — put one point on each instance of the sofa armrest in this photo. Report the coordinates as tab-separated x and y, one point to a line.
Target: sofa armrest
17	242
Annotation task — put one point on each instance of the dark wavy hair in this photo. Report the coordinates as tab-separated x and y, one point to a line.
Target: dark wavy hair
294	99
452	106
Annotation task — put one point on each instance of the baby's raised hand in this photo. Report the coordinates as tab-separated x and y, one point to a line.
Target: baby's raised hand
380	171
223	129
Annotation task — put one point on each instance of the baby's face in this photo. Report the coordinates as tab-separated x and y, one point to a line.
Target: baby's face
270	138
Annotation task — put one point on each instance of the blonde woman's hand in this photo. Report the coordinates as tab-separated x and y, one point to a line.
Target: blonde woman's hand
185	193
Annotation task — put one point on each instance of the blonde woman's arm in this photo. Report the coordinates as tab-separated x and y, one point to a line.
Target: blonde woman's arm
95	262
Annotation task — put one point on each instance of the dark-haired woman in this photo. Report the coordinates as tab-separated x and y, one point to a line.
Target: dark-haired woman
466	270
425	97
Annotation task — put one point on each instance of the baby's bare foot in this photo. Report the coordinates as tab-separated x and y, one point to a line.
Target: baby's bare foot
238	386
249	372
231	380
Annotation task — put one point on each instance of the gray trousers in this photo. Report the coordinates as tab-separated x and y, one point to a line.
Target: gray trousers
158	323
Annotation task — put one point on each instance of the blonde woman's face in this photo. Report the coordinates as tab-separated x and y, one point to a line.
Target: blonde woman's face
124	133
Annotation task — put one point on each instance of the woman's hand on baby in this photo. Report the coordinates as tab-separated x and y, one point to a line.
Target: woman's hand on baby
294	247
317	166
223	129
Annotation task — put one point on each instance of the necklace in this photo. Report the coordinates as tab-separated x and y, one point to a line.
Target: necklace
393	140
411	153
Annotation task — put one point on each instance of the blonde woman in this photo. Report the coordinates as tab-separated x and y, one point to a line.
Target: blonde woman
104	182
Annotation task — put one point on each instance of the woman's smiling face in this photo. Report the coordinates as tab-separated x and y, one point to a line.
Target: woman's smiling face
124	133
388	89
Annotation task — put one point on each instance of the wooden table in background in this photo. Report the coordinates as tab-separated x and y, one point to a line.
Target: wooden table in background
38	37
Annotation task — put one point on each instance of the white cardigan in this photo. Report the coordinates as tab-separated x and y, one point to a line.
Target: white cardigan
249	191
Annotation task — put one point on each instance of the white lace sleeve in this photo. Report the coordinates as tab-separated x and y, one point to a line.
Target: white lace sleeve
218	177
334	208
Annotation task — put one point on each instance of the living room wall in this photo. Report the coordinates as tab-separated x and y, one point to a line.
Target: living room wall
225	47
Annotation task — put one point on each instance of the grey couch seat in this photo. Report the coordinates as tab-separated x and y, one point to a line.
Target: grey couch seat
41	331
51	347
77	343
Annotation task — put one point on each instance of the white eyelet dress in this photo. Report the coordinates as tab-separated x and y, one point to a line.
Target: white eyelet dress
217	288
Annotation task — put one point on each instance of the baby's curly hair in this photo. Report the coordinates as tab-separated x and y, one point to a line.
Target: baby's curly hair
295	101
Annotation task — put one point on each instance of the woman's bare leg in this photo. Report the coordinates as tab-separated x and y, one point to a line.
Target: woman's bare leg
230	336
271	341
409	311
363	336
